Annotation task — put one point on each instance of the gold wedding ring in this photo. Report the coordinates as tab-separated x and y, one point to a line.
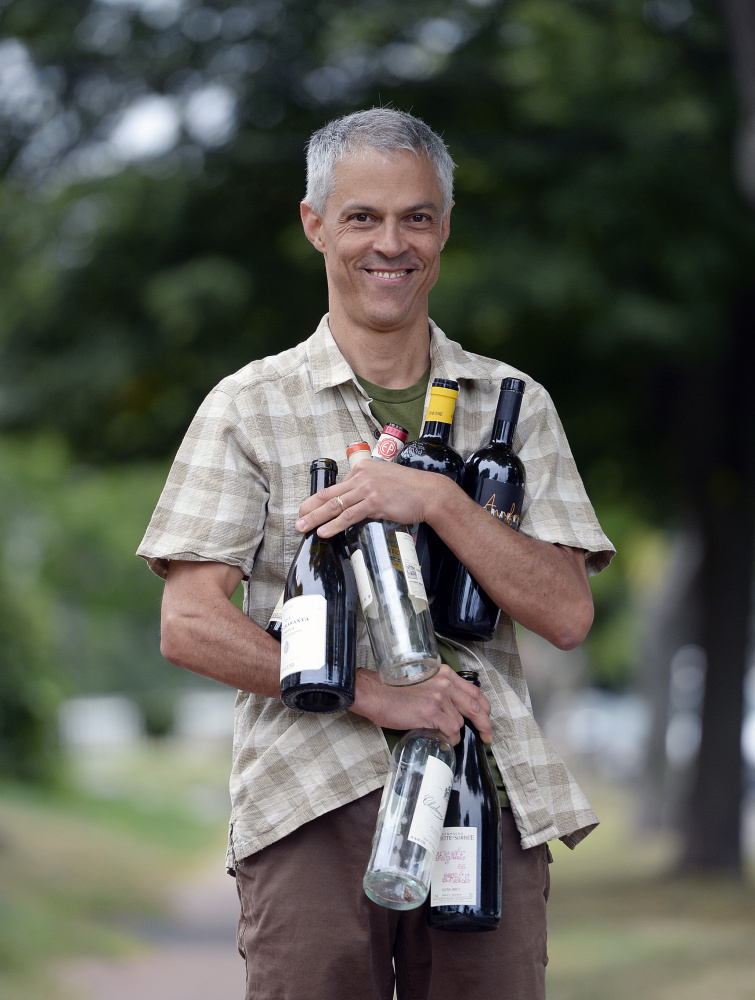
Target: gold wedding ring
341	503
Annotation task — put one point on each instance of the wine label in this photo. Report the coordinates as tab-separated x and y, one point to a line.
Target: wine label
502	500
454	877
364	587
304	634
412	568
432	801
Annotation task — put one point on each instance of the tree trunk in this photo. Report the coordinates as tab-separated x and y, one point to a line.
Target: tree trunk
739	16
673	615
722	481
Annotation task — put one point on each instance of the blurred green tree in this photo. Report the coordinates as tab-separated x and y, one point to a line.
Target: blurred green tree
148	223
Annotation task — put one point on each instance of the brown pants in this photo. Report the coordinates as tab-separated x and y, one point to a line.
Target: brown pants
308	932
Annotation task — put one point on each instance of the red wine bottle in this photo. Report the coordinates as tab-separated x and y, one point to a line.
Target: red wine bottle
318	635
432	453
494	477
466	879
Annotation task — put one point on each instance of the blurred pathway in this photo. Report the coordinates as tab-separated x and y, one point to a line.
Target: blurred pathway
190	955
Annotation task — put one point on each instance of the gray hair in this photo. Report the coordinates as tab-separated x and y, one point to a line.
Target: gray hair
381	129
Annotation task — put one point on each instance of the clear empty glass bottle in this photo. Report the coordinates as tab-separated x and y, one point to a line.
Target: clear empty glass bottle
391	592
410	820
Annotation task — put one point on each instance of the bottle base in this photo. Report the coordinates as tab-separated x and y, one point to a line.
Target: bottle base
405	672
319	701
395	890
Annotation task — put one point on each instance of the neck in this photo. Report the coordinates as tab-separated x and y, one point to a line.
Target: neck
394	359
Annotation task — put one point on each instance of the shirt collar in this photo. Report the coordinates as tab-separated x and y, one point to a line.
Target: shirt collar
329	368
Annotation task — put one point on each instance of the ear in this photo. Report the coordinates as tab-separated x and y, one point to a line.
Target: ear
312	223
445	225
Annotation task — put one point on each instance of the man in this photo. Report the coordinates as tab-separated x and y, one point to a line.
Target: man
305	789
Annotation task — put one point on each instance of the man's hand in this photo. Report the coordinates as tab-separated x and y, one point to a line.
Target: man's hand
442	703
539	584
380	490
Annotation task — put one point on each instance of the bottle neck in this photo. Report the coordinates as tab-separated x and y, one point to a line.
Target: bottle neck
506	417
436	430
440	411
321	477
473	677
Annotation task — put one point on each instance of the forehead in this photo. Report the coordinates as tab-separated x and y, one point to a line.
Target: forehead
390	180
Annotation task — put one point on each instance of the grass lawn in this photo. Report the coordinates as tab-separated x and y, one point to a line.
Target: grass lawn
76	867
622	926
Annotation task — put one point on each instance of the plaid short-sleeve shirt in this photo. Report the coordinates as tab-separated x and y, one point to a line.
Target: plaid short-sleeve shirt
233	495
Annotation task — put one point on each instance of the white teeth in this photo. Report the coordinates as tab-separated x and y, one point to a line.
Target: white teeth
389	274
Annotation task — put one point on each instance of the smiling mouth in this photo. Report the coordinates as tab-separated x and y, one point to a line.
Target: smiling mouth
391	275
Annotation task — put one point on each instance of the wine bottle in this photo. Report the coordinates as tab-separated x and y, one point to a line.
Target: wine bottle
391	592
465	892
432	453
318	636
494	477
275	622
410	820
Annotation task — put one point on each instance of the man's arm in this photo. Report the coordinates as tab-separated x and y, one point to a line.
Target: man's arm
203	631
541	585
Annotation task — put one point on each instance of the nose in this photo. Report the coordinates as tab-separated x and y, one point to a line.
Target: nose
390	240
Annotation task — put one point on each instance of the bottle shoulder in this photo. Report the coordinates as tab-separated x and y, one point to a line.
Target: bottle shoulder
432	456
495	461
318	557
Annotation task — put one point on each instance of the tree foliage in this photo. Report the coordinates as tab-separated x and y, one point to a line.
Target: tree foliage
153	161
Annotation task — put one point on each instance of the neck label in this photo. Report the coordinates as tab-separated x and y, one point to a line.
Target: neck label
441	405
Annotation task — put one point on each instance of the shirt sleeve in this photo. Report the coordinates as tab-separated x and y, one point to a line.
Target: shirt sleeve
214	503
556	507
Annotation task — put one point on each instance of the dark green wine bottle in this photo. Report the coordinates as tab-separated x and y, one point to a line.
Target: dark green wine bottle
466	879
431	452
494	477
318	634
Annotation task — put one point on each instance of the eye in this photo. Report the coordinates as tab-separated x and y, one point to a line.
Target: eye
361	217
420	217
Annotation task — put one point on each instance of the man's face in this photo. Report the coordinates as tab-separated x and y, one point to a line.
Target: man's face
381	235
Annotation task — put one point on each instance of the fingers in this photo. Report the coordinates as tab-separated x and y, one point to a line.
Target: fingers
442	703
456	700
373	490
478	710
335	508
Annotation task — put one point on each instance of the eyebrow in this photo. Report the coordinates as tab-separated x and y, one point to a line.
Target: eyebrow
369	209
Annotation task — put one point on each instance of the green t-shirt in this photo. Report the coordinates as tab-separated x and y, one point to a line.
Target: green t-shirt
406	407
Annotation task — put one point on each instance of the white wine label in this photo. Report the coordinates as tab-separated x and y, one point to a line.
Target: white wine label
362	577
304	634
454	878
432	801
412	569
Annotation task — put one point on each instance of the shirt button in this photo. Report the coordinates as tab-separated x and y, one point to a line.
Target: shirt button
377	434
